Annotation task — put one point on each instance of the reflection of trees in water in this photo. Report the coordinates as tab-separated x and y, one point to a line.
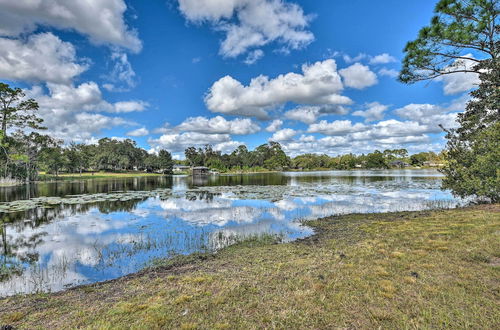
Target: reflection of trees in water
21	248
121	206
280	179
64	188
260	179
205	196
35	217
345	179
11	259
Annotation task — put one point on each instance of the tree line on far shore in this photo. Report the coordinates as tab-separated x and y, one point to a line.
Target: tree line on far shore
270	156
24	155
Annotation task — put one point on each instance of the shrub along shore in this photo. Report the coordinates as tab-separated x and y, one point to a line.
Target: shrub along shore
437	269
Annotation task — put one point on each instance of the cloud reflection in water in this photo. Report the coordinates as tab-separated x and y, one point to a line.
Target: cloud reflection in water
72	245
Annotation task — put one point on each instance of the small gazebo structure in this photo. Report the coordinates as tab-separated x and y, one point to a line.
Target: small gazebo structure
200	170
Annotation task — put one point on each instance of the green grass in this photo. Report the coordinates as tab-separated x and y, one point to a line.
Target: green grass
433	269
94	175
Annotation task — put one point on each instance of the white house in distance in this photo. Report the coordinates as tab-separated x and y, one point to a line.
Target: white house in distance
181	168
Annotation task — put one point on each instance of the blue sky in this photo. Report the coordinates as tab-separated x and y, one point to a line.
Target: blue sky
316	76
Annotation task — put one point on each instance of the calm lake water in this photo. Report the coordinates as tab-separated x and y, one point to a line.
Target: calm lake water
58	235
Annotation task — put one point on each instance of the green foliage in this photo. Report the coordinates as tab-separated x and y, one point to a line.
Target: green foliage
460	27
22	153
420	158
473	150
165	162
270	156
484	108
395	154
376	159
311	161
475	169
78	157
16	111
274	158
195	157
115	155
111	154
19	152
349	161
53	159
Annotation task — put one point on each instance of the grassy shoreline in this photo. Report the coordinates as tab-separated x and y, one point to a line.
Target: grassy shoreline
93	175
396	270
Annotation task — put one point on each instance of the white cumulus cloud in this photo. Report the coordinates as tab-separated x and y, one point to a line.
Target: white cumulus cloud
138	132
219	125
274	125
394	128
319	83
337	127
82	126
254	56
382	59
102	21
178	142
228	147
310	113
358	76
69	111
84	97
305	114
357	58
251	24
285	134
130	106
429	114
388	72
373	111
41	57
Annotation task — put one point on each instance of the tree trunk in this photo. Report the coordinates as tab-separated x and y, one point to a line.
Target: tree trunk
27	178
4	122
4	239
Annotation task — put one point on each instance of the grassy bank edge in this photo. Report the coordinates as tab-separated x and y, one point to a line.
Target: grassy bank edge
349	230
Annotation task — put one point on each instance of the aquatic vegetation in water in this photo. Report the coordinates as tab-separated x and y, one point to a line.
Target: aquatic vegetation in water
50	202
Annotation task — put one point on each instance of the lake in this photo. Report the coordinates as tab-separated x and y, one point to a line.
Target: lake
61	234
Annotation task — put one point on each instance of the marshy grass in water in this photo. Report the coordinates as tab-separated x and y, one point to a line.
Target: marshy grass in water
218	242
